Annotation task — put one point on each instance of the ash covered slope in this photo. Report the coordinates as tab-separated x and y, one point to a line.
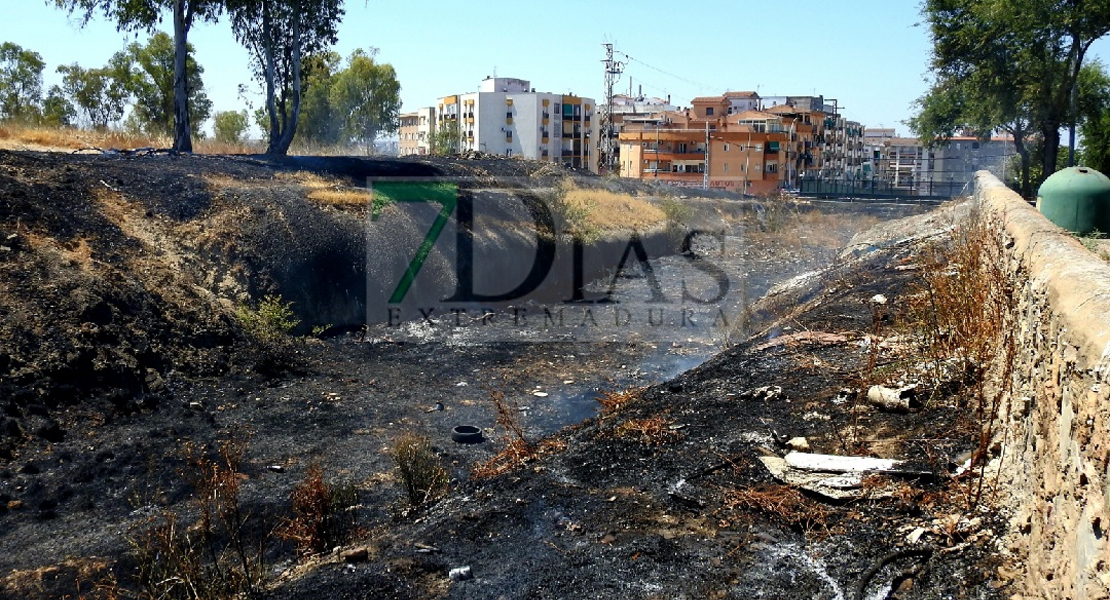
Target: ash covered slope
117	273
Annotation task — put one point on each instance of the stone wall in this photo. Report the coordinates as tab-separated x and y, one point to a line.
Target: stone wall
1056	439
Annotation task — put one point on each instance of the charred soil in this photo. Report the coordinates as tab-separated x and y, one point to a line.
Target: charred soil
119	280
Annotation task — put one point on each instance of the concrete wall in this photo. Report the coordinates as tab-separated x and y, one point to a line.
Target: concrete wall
1056	447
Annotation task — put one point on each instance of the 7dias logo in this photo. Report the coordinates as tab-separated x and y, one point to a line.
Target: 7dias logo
487	259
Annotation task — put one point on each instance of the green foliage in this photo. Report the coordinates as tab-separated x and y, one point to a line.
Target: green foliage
367	98
20	82
98	93
147	73
318	123
348	105
230	126
270	326
1094	109
272	320
422	475
135	15
57	110
279	34
445	140
1008	64
677	211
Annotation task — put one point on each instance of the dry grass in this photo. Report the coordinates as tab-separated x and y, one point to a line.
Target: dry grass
790	224
325	190
17	136
515	454
341	197
613	401
216	557
781	502
29	137
651	431
421	473
508	416
590	213
961	312
92	579
322	517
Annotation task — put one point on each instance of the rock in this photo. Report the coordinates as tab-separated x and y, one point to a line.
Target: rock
798	443
460	574
154	381
896	400
765	393
915	535
355	555
15	504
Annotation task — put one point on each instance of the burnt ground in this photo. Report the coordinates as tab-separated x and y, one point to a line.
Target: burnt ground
117	352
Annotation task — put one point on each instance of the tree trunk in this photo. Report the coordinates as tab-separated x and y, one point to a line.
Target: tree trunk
1051	133
290	128
182	132
1023	152
271	74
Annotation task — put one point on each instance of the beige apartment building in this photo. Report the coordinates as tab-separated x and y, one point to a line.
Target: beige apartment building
506	116
417	129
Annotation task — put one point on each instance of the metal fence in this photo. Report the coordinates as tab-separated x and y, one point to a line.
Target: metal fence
880	188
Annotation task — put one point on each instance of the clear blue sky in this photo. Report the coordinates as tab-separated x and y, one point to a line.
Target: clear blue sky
869	54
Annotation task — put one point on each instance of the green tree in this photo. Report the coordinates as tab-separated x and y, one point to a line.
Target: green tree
230	126
445	140
366	97
1094	117
1031	51
57	110
20	82
318	123
132	15
148	72
99	93
279	34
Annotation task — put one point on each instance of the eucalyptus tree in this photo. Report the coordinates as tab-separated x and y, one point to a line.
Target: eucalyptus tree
135	15
279	34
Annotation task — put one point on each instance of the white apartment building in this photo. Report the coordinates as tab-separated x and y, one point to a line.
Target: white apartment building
417	129
506	116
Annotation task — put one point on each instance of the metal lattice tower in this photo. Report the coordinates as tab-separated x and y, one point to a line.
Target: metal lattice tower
613	69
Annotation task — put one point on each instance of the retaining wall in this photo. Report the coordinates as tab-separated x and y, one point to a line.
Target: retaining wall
1056	439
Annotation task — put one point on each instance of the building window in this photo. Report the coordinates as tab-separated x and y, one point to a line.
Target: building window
726	167
726	146
709	111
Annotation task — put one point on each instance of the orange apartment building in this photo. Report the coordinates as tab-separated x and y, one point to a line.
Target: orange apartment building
720	141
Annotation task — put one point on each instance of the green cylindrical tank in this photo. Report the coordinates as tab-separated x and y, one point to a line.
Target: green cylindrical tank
1077	199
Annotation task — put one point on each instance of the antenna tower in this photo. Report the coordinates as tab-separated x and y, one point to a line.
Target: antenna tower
613	69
